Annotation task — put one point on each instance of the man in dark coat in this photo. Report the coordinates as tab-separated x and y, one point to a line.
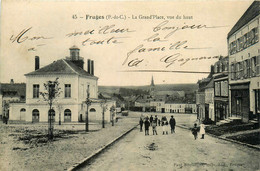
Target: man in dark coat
156	119
172	124
146	126
141	122
151	120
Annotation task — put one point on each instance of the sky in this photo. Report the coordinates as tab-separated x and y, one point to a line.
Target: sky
123	38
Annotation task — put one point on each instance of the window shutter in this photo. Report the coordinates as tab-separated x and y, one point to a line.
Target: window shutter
258	65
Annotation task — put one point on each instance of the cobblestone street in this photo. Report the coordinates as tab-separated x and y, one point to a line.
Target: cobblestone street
175	152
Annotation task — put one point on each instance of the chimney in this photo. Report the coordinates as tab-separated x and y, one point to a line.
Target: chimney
89	66
37	63
92	67
12	81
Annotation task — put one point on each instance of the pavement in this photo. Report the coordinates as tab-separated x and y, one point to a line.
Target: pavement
177	151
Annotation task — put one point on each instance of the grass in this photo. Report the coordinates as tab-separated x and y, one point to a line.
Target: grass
251	138
228	128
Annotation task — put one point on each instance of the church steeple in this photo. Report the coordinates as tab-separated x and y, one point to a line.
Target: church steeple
152	87
152	82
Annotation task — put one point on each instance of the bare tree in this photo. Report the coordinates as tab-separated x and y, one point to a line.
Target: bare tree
52	91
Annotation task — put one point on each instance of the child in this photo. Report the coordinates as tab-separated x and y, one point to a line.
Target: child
202	130
194	131
154	127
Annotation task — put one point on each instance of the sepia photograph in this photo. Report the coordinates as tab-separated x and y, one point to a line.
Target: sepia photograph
129	85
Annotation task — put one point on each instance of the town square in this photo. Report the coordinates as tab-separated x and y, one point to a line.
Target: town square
130	85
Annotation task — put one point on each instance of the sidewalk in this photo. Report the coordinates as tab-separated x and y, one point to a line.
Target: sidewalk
60	154
229	136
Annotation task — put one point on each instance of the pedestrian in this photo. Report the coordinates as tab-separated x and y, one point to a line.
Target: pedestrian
146	126
154	124
165	126
156	119
141	122
172	124
202	130
194	131
151	119
159	122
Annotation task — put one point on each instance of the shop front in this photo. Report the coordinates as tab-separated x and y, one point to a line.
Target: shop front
240	101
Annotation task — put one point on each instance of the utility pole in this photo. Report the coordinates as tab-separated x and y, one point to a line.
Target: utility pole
88	102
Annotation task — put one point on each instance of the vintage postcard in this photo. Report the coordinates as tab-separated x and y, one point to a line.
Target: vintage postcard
129	85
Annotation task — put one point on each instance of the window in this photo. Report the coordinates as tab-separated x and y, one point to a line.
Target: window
224	88
245	41
36	91
67	90
217	88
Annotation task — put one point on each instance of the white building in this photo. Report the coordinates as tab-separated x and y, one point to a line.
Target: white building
244	65
70	106
180	108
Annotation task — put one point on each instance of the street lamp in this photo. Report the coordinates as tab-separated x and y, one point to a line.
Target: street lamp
51	97
112	110
88	102
104	107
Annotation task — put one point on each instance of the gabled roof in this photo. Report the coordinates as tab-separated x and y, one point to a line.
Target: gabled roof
210	84
16	89
61	66
251	13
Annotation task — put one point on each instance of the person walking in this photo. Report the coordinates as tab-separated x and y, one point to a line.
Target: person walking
202	130
154	124
156	119
141	122
172	124
159	122
194	131
166	126
146	126
151	120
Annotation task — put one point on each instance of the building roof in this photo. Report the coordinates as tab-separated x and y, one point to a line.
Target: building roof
251	13
61	66
74	47
15	89
210	84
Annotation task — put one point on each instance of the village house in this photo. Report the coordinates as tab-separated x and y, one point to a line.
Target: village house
70	105
10	93
209	100
244	65
205	98
221	89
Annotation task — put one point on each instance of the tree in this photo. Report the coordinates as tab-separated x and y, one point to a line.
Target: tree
52	91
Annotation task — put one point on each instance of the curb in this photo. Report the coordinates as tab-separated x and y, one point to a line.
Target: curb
226	139
96	153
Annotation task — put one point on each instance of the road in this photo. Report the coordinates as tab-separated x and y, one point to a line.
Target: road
177	151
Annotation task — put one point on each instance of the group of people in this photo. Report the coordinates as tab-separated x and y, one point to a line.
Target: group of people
154	122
